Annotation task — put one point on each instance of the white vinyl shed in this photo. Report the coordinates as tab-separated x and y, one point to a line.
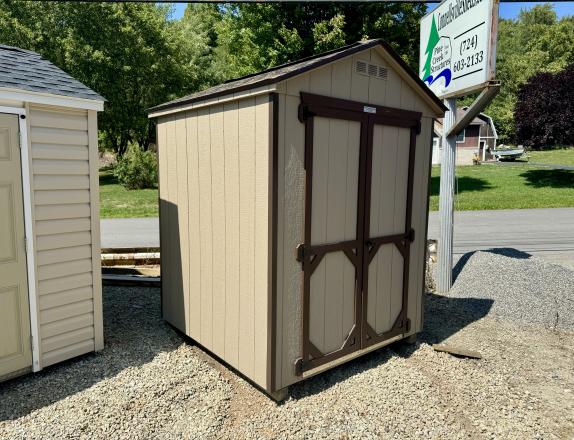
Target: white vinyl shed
50	281
293	212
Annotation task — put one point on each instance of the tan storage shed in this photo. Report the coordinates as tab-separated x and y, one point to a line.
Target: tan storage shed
50	281
293	212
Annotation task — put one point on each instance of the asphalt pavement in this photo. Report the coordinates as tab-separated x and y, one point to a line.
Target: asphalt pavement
546	233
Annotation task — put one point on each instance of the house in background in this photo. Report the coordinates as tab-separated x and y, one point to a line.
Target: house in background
479	137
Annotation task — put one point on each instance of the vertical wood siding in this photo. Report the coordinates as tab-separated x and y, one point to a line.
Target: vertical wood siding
215	231
66	228
339	80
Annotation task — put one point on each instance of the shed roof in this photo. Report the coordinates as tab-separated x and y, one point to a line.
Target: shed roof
27	70
288	70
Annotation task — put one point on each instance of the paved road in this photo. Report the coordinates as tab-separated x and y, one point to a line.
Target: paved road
129	232
547	233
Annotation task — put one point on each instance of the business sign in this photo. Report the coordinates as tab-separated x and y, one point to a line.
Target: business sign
458	46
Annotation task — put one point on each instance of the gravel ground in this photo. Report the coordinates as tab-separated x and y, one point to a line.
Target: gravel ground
523	289
149	383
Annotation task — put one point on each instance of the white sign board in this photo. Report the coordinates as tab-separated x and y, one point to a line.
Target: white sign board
458	46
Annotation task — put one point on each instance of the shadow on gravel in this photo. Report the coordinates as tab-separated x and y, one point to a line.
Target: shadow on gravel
507	252
134	334
443	317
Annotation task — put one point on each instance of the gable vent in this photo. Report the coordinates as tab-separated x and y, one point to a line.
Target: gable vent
368	69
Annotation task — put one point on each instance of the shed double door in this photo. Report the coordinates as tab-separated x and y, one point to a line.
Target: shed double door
15	349
359	172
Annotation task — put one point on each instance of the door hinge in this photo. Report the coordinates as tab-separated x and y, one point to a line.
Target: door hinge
26	244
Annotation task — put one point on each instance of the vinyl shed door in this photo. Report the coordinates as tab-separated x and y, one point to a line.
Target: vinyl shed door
15	349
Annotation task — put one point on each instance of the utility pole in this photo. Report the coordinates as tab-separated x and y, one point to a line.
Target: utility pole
446	198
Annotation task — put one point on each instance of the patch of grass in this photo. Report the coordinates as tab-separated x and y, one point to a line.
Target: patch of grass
562	156
516	186
118	202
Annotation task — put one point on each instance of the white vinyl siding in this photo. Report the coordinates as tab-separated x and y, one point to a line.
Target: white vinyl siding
68	288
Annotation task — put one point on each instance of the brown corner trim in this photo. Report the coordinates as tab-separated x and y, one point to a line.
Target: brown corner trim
272	303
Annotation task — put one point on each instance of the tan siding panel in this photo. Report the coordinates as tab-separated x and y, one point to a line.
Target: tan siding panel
341	79
194	230
64	283
65	254
360	83
60	167
293	217
60	119
51	182
61	152
67	324
57	270
246	234
63	312
60	197
58	241
183	214
166	269
232	260
53	357
48	227
67	339
66	297
218	224
58	136
205	224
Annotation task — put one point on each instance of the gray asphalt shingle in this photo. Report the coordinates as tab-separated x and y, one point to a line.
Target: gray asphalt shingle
288	70
26	70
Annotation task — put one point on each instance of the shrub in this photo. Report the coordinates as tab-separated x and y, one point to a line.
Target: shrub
137	169
545	110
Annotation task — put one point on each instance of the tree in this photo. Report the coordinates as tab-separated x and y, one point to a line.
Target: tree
253	37
536	42
129	53
545	110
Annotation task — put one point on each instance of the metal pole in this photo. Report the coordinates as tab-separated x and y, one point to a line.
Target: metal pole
446	200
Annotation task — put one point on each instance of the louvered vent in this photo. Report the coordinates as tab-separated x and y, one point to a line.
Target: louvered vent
368	69
362	67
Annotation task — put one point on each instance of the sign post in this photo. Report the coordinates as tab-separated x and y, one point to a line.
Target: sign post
457	57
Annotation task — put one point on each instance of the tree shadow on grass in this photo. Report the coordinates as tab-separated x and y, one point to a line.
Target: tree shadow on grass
463	184
107	177
552	178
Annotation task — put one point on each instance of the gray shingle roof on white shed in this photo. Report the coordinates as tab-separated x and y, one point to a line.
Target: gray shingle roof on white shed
27	70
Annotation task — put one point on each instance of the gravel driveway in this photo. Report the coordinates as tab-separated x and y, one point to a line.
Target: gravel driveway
150	383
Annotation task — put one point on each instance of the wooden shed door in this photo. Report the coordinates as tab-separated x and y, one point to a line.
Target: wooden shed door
359	164
15	348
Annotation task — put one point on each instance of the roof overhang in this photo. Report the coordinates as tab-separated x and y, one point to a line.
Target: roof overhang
390	55
10	94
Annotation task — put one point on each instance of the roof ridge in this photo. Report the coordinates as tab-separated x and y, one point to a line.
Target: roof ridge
300	60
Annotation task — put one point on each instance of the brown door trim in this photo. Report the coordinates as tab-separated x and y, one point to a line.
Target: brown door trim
361	250
402	241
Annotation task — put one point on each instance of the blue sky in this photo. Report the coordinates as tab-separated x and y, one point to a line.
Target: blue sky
507	10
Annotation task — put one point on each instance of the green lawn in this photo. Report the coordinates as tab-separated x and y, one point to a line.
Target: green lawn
487	186
118	202
564	156
508	186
